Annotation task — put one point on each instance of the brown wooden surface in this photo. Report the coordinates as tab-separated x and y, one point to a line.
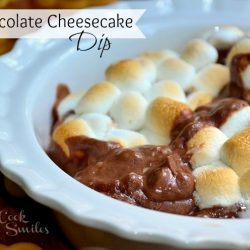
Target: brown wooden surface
24	221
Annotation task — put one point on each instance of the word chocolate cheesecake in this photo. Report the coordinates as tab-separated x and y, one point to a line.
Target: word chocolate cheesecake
166	131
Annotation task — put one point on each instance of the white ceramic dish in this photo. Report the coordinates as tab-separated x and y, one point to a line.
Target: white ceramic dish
29	75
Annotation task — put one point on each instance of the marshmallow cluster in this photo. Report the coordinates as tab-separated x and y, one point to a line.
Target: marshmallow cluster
230	144
142	98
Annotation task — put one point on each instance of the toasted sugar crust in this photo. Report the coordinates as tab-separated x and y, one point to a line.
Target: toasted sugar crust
199	53
132	74
76	127
205	146
236	151
99	98
216	186
162	114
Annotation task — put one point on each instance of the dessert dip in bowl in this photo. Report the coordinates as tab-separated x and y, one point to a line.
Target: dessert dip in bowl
161	124
164	131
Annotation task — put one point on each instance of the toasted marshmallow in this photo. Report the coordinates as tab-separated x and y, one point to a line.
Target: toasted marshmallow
212	78
129	110
162	114
224	37
236	122
126	138
216	186
69	103
205	146
157	57
199	53
246	77
132	74
169	89
154	138
245	184
178	70
77	127
241	47
99	123
236	152
198	98
98	99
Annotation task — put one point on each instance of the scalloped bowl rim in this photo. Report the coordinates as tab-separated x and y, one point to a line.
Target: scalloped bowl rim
18	151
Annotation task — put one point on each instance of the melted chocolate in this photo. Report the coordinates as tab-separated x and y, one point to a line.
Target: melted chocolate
222	55
221	212
150	176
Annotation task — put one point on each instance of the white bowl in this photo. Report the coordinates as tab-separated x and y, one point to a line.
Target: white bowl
29	75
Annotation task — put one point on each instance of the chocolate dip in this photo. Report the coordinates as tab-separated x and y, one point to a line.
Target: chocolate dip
150	176
154	177
222	55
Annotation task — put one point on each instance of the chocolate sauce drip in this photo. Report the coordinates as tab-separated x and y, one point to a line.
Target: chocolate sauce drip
61	92
236	87
221	212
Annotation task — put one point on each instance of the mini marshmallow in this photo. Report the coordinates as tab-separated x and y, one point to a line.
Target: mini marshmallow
129	110
169	89
199	53
70	117
199	98
241	47
98	99
245	184
224	37
99	123
157	57
162	114
236	122
205	146
132	74
178	70
126	138
236	152
212	78
69	129
69	103
216	186
154	138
